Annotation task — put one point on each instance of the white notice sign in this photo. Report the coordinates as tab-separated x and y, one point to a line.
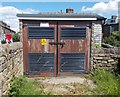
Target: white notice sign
44	24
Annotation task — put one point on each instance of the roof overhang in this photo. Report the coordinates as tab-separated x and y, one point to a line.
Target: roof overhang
31	18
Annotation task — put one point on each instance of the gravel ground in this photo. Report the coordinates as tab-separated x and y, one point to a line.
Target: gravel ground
67	85
62	80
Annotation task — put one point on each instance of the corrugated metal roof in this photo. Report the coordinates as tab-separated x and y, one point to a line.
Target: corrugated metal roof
61	15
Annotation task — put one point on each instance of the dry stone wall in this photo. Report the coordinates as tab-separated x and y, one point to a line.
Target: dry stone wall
11	64
106	58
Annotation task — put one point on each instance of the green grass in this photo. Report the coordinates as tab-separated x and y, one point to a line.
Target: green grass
107	83
24	86
31	88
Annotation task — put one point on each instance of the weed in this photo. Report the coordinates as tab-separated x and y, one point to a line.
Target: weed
107	83
15	85
31	88
24	86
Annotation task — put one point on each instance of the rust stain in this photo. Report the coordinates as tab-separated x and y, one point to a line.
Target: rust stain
36	47
73	46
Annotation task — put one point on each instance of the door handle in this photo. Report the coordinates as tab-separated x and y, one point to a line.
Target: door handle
57	43
52	43
62	44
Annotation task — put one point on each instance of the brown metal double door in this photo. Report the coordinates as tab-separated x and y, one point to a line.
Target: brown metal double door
56	50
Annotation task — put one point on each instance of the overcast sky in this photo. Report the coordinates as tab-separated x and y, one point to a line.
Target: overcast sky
8	10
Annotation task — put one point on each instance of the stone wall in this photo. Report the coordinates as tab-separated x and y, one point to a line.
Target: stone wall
106	58
97	34
11	63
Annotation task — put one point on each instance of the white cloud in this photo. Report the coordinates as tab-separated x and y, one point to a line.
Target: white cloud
8	15
110	7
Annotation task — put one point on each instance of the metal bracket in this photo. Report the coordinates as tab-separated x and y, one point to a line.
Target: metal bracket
57	43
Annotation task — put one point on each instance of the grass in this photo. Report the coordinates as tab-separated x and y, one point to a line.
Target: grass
24	86
79	89
107	83
31	88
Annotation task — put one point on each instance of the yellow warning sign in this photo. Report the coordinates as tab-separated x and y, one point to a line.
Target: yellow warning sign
43	41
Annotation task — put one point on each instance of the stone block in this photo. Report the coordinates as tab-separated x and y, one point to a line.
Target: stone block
98	51
0	84
112	51
118	56
111	54
101	55
95	55
99	61
1	93
107	55
4	79
111	60
109	65
106	51
5	72
10	77
99	64
9	73
105	62
113	63
1	76
2	49
106	58
5	92
4	88
2	59
9	56
98	58
15	53
115	56
4	66
95	60
1	68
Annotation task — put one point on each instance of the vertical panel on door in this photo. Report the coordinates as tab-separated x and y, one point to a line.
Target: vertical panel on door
40	56
73	53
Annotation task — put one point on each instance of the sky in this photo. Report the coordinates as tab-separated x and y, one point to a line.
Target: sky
8	10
